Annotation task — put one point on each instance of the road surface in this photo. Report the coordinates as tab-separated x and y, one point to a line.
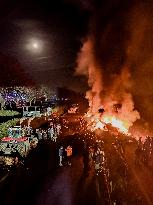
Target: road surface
43	182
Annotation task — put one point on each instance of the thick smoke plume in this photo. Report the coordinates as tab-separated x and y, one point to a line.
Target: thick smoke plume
87	66
116	58
115	98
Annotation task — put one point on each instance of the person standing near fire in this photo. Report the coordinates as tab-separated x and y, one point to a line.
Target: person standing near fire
69	154
61	153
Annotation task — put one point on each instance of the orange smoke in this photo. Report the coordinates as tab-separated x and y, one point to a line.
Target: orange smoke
115	98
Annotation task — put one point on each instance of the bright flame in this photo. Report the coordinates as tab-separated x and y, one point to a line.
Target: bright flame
121	125
97	122
99	125
115	97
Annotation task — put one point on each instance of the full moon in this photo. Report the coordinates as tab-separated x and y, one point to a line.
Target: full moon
34	45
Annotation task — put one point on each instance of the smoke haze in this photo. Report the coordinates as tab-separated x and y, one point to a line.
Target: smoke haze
116	57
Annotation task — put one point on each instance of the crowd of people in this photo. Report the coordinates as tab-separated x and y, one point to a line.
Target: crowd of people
22	139
105	155
23	131
52	132
144	152
108	158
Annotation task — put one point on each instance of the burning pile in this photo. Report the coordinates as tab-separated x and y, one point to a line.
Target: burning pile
109	102
116	58
101	122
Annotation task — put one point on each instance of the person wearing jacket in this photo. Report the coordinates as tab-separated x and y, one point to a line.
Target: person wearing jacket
69	154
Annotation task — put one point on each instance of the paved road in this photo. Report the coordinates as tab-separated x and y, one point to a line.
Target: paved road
69	187
45	183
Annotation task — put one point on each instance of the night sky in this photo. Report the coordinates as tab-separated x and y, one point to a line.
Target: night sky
45	38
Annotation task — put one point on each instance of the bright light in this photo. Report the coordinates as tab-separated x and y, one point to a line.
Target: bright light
34	45
121	125
99	125
96	122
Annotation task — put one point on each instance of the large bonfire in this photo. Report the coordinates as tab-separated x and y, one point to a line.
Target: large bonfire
110	104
